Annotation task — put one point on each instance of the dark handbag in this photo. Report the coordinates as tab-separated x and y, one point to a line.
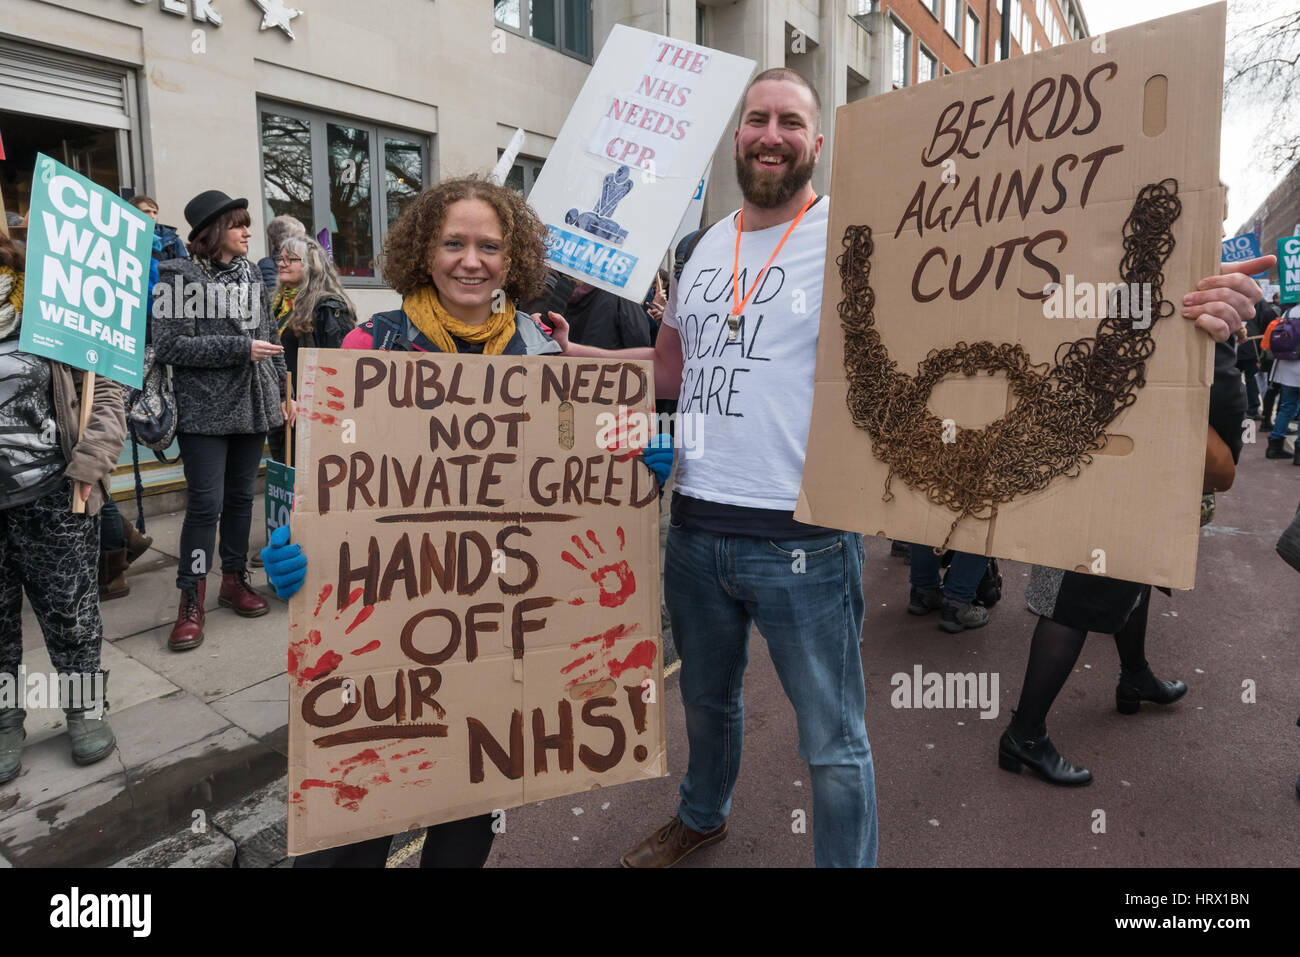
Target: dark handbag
151	409
989	591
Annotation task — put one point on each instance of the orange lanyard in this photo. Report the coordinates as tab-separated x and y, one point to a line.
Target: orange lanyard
738	304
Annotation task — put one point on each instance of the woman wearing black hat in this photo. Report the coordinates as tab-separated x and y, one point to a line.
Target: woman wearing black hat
213	324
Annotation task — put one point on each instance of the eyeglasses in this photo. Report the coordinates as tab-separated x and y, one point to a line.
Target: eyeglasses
285	260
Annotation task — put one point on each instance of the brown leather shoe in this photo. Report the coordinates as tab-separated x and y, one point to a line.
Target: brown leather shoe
112	575
188	630
668	845
237	593
136	543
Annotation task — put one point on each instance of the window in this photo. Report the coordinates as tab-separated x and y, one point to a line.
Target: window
523	174
936	8
699	25
1026	33
997	47
350	178
1014	29
973	37
927	65
902	39
563	24
953	20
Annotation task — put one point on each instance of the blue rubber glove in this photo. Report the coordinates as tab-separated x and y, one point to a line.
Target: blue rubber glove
658	455
286	565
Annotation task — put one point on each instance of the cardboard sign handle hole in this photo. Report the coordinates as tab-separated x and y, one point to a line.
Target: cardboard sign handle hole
1116	445
1155	97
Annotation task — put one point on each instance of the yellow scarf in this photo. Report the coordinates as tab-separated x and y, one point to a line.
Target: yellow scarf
283	305
439	326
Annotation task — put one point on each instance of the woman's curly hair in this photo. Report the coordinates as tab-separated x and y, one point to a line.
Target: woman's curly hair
412	238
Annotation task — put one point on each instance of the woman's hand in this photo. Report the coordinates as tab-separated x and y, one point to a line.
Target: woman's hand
559	329
1222	303
261	349
285	564
289	410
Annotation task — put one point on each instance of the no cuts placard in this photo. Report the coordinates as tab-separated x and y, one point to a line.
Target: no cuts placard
479	627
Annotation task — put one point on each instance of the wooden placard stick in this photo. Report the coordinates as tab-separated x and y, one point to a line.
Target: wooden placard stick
288	429
87	404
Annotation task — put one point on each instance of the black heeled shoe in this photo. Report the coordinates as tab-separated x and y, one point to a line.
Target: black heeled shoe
1040	756
1133	689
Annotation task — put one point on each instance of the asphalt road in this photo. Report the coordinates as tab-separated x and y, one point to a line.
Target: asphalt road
1208	781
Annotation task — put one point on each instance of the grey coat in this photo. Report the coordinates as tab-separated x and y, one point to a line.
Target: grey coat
219	389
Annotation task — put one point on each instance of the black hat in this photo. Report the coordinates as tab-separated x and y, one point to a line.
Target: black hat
207	206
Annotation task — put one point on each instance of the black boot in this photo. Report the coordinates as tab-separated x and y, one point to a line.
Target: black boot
1040	756
1275	450
1145	686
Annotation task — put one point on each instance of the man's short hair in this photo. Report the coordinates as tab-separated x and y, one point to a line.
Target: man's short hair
789	76
280	229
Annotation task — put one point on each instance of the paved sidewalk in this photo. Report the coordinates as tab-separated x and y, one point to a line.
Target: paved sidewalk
196	731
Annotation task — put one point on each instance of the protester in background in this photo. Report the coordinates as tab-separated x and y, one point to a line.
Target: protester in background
228	375
277	231
1265	313
656	298
311	312
604	320
1070	604
46	549
955	596
454	246
166	243
1248	362
1285	374
17	226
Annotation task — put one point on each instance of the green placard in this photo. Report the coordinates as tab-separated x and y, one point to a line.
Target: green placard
87	275
279	495
1288	267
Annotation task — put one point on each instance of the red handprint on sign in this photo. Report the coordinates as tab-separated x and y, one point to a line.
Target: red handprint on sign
615	580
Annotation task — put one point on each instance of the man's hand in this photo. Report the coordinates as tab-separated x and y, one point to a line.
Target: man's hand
286	565
1222	303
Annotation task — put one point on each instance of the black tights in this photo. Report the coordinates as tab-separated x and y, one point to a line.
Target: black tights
1052	656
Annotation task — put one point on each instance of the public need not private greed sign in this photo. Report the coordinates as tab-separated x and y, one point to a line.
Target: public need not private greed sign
479	627
87	275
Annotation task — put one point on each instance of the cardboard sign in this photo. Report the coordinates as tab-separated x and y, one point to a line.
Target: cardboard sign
974	349
479	627
1288	267
87	275
631	155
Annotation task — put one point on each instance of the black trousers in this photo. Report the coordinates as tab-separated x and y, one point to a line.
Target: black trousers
463	843
221	471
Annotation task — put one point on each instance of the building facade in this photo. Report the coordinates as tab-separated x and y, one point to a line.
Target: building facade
338	112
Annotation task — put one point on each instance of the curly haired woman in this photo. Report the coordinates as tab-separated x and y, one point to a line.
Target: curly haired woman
461	254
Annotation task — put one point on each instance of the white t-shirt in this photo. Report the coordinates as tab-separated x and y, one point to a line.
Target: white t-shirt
752	397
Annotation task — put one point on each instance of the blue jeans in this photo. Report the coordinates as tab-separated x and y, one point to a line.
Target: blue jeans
805	596
964	573
1287	407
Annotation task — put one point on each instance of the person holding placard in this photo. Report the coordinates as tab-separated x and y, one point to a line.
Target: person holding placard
46	549
311	312
735	555
457	246
228	374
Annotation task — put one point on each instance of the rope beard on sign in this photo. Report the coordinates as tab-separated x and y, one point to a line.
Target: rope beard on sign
1061	414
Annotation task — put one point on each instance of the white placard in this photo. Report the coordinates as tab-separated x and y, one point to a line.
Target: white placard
631	155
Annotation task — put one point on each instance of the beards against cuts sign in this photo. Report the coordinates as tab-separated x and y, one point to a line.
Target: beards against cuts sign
1003	366
630	156
479	627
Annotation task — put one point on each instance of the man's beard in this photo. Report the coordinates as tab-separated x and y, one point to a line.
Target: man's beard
767	192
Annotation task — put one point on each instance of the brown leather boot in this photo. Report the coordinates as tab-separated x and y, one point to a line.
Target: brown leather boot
112	575
188	631
136	543
237	593
668	845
